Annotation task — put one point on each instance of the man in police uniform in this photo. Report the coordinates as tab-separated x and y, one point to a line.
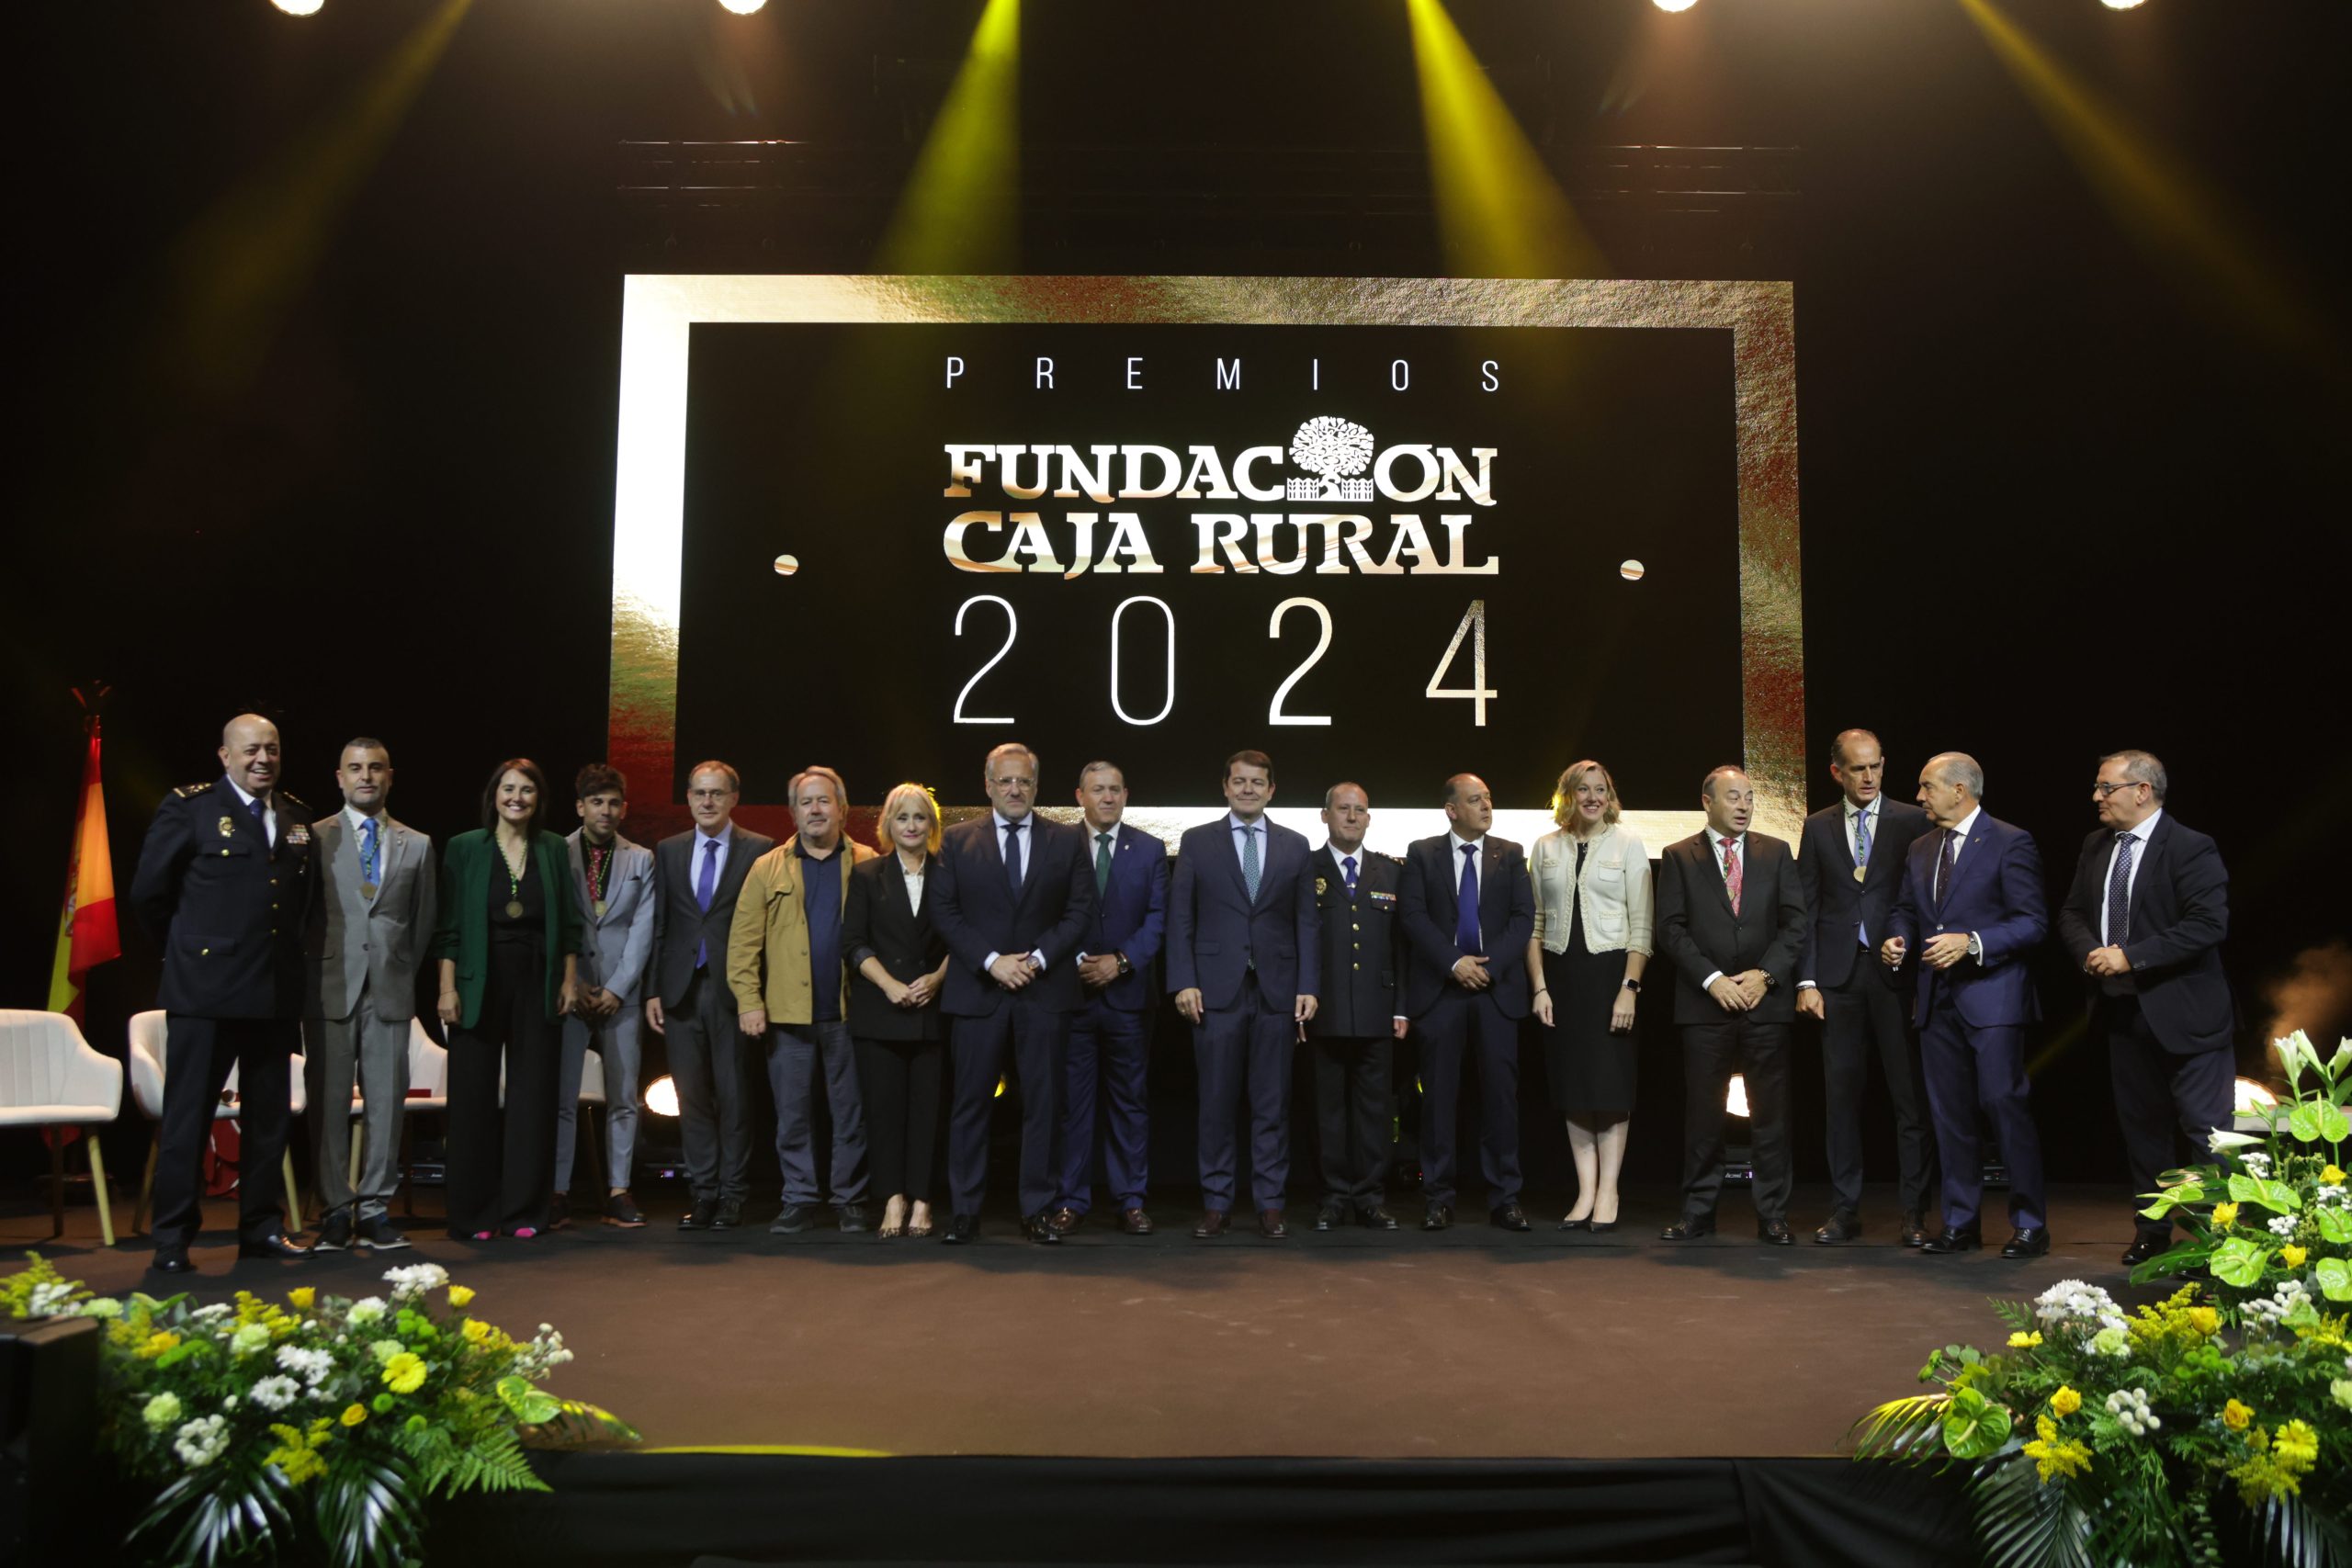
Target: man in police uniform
224	886
1353	1033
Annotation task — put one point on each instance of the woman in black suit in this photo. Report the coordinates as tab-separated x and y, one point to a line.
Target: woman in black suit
897	964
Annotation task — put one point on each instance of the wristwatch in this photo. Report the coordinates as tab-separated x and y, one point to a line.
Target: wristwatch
1126	968
1633	986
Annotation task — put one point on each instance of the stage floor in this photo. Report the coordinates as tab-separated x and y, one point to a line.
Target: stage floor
1472	1343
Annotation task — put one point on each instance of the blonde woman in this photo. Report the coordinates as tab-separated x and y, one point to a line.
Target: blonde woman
897	962
1590	943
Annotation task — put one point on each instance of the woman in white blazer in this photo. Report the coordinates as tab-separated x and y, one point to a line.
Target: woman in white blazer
1590	943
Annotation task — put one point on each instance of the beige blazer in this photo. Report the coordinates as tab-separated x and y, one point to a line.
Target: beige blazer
767	947
1614	897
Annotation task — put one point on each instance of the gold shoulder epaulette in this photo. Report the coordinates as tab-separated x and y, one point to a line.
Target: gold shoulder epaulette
186	791
288	794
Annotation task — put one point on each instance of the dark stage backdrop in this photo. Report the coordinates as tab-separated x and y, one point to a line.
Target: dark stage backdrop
356	464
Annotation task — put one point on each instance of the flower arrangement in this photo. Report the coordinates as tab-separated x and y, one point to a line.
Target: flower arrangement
2097	1435
323	1421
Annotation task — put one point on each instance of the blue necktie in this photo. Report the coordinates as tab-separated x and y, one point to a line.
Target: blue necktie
1250	859
261	819
1348	865
1012	854
706	888
1861	863
367	868
1466	901
1943	868
2118	893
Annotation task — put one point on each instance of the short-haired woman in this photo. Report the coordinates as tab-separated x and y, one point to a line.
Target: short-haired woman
1590	943
509	947
897	962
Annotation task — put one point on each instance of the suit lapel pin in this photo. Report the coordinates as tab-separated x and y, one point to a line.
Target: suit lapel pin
228	828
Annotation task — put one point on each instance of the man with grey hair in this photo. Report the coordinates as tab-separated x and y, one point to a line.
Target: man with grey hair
1970	910
2144	921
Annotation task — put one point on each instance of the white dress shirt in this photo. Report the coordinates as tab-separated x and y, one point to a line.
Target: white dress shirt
2140	838
725	840
268	813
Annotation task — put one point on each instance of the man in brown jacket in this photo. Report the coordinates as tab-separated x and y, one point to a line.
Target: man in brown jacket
786	965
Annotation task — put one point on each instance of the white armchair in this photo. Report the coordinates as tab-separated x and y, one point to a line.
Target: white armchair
50	1077
147	1067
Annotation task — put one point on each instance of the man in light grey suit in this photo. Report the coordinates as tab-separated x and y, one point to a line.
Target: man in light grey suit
612	880
372	923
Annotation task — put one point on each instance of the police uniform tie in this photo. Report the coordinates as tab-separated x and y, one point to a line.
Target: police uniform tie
1348	864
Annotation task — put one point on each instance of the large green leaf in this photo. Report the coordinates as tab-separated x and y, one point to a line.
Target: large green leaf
2179	1260
2335	1223
2334	1277
579	1425
2239	1261
2317	1122
2275	1196
2022	1523
1908	1429
366	1513
1974	1427
531	1404
2172	1197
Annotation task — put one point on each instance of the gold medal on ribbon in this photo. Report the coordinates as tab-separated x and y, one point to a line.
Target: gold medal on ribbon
367	890
514	908
599	907
1860	871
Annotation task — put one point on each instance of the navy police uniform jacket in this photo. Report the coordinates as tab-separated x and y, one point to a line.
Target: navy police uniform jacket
1360	957
226	907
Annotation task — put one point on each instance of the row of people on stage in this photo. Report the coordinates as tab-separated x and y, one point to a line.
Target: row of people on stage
896	980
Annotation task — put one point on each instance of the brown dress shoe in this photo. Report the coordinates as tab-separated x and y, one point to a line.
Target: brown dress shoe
1067	1219
1270	1226
1213	1223
1135	1221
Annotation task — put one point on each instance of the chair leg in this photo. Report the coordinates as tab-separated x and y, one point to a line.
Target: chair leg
56	1182
293	1197
98	1180
139	1210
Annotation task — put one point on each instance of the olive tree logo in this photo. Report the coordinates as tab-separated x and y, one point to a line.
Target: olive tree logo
1333	449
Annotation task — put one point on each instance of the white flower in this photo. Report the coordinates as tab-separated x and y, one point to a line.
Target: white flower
367	1309
2281	1304
249	1339
49	1300
310	1365
2073	1298
276	1393
201	1441
2130	1409
102	1306
207	1314
164	1410
2221	1138
2256	1162
417	1278
385	1349
2116	1342
2283	1226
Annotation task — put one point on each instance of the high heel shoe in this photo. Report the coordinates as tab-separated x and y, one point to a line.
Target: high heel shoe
1576	1224
1600	1227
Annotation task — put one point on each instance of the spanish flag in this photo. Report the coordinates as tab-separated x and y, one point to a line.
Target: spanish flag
86	933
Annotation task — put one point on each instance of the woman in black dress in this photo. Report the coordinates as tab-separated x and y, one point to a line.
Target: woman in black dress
897	965
1590	943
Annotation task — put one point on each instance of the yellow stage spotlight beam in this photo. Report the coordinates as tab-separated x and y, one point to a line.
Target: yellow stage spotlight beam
1500	214
237	268
2163	205
960	211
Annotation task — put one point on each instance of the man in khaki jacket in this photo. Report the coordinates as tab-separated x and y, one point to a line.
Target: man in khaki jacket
786	965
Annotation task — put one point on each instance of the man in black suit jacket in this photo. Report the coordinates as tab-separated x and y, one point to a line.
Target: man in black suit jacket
224	886
1466	980
1850	865
1013	896
2144	922
1358	1019
696	877
1244	963
1731	914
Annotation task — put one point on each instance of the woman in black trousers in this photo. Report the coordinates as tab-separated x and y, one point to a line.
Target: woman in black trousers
898	963
509	947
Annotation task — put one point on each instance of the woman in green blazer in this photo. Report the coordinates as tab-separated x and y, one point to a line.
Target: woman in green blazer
509	947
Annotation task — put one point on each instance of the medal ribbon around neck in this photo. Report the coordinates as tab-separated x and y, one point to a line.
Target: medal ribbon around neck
514	879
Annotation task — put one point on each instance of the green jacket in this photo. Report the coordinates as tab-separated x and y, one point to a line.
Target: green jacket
468	861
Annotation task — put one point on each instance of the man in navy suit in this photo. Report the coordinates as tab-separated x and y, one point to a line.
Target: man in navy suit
1110	1036
2144	922
1850	867
1972	905
1467	908
1012	901
1244	962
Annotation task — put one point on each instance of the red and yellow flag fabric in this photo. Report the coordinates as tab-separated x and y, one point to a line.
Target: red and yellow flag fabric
87	935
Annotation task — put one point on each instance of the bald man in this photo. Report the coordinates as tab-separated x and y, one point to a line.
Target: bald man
224	886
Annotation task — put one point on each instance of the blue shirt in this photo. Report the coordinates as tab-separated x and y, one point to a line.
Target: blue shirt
820	887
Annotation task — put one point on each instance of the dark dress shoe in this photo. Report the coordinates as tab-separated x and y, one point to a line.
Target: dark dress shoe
853	1219
1582	1225
1038	1227
1775	1232
1509	1217
1067	1219
621	1210
2028	1241
1331	1216
701	1216
1213	1223
1438	1217
1841	1227
961	1228
1690	1227
730	1216
1376	1218
377	1233
1915	1230
335	1233
172	1260
1270	1226
1953	1238
2146	1247
1135	1221
791	1220
274	1245
559	1210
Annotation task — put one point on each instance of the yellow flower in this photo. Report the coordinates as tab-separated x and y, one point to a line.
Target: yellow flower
353	1414
475	1331
2295	1446
303	1296
2293	1256
2235	1415
461	1295
2332	1176
404	1373
2021	1340
2224	1214
2066	1402
157	1343
2051	1456
2205	1320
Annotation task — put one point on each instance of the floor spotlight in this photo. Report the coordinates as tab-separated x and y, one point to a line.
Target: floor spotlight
298	7
1674	5
2123	5
1735	1098
742	8
661	1096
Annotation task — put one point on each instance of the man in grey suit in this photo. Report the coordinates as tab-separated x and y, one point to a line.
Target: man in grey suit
696	877
372	923
612	879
